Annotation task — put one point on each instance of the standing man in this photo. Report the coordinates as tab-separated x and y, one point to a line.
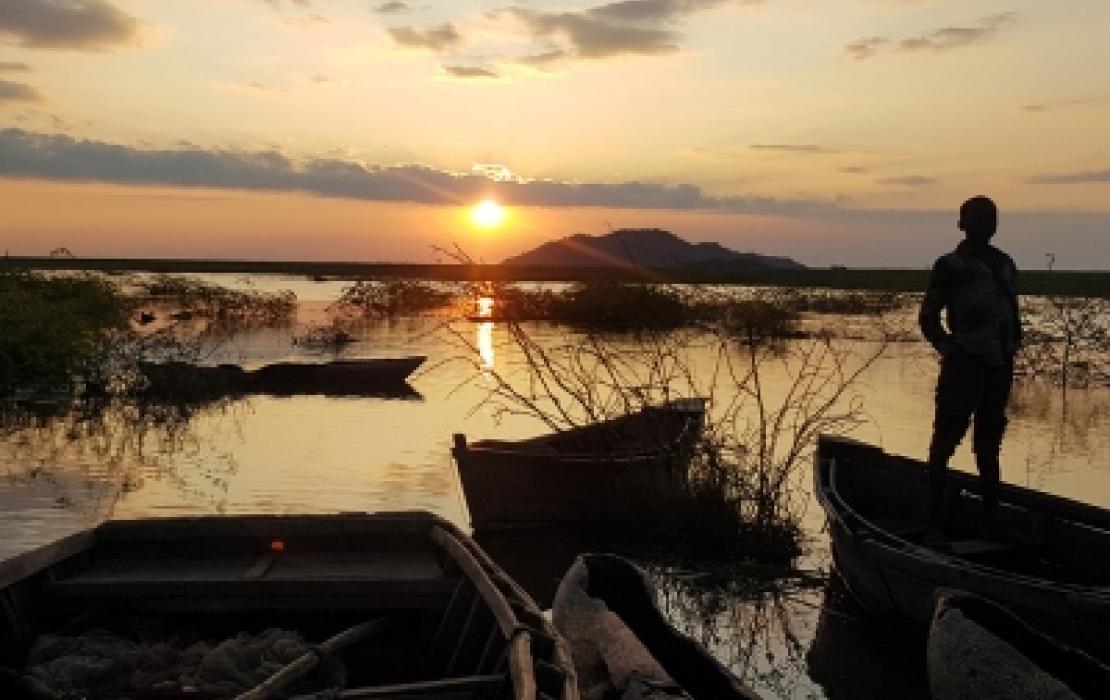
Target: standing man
974	285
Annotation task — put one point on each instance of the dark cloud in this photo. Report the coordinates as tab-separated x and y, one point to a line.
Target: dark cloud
1048	106
909	181
17	92
943	39
651	11
645	27
1085	177
866	47
791	148
87	25
438	38
392	8
59	157
947	38
854	169
470	72
14	67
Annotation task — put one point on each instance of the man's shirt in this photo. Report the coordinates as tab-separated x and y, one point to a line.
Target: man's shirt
975	287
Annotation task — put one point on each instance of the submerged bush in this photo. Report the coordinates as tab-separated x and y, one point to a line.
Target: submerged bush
55	328
193	297
392	298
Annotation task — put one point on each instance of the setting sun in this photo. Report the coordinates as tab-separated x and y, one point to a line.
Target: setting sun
487	214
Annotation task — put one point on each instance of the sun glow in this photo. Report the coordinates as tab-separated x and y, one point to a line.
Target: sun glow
487	214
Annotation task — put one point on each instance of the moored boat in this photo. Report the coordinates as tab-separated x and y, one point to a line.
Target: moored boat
623	645
1050	566
340	377
576	475
405	605
978	649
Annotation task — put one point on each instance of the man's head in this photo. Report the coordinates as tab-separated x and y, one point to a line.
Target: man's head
979	219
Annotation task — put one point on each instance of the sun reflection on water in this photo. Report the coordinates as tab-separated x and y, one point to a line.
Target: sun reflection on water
485	344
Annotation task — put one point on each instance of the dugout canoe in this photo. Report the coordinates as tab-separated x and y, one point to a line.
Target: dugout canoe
338	378
978	649
577	475
421	610
622	643
1051	567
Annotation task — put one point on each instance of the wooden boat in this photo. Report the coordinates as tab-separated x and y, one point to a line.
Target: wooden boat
337	378
1052	568
978	649
575	475
421	611
621	642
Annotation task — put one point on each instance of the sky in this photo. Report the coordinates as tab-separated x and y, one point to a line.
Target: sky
831	131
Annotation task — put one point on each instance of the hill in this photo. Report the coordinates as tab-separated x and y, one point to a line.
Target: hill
644	247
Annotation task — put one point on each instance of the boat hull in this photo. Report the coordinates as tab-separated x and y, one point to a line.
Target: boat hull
895	577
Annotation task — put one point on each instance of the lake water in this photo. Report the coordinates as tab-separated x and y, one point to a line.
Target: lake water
313	454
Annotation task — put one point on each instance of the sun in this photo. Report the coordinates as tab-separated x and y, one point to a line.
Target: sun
487	214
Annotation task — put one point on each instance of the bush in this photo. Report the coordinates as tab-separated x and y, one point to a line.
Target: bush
55	328
392	298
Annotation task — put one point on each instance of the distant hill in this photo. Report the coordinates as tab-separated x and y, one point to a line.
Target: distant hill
644	247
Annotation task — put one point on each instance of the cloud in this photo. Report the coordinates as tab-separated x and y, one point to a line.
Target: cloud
60	157
392	8
866	47
652	11
947	38
86	25
1084	177
1060	104
853	170
14	67
438	38
909	181
791	148
470	72
18	92
943	39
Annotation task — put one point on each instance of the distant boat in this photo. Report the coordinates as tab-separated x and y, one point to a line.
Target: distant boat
576	475
409	605
620	640
978	649
341	377
1051	567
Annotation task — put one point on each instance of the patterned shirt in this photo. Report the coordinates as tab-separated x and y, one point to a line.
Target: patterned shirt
975	287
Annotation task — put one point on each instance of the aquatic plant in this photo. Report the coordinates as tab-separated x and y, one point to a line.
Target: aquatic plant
187	298
56	329
392	298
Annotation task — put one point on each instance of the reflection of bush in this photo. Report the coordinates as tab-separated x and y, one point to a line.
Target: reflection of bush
54	328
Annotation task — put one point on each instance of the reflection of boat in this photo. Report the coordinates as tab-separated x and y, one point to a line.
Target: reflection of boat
845	635
339	378
621	642
432	615
576	475
1051	567
978	649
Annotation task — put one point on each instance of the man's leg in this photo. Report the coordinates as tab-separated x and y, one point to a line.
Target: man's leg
990	425
957	393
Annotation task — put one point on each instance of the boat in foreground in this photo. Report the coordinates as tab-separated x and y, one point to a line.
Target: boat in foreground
978	649
577	475
372	376
386	605
1051	566
623	645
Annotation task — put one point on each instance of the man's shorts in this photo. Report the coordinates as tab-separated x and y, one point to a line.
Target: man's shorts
969	386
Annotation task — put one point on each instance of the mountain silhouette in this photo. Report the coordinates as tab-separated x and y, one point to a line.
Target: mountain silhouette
644	247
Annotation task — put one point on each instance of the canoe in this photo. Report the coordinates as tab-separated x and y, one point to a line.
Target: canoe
978	649
575	475
1051	567
623	645
404	606
337	378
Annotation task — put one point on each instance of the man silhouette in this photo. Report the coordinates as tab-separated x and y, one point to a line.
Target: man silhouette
974	286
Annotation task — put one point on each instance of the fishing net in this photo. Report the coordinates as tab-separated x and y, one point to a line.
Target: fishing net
99	664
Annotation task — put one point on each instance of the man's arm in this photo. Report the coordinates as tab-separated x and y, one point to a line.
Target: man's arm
936	298
1018	334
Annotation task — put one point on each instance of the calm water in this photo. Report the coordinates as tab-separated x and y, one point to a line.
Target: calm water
318	454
